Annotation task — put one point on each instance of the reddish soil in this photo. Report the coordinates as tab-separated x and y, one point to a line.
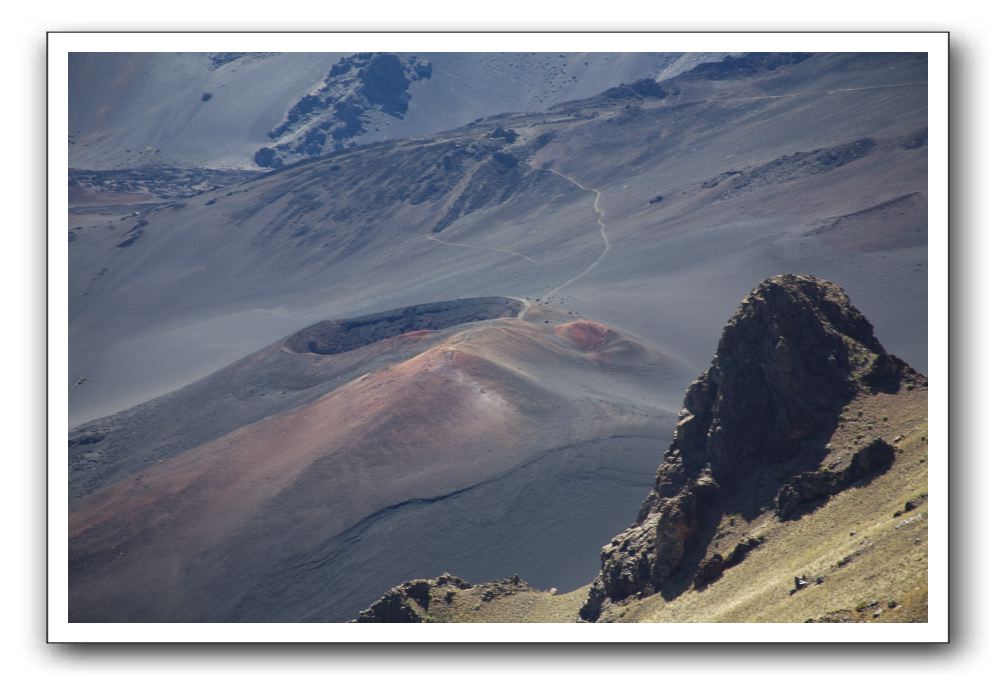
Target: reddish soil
588	336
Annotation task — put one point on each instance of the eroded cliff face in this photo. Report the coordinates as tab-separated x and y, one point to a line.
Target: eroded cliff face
794	354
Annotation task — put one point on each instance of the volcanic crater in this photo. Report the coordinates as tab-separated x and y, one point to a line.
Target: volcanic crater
334	337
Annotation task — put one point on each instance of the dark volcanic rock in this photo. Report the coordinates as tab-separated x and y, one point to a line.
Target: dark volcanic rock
789	168
730	68
504	134
712	569
134	234
357	88
502	587
85	438
267	158
640	558
740	551
709	571
794	353
736	67
410	602
809	490
787	362
804	492
492	183
646	88
868	462
220	59
406	603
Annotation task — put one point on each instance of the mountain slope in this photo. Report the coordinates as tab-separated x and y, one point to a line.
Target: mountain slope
664	199
356	453
217	110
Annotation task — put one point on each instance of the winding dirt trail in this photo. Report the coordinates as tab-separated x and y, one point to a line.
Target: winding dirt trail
596	205
607	245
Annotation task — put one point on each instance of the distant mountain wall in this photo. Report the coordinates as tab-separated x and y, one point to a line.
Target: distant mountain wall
250	109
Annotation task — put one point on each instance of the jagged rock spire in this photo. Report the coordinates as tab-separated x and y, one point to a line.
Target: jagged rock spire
794	353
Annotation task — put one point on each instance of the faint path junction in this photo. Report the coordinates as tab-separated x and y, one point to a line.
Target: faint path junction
596	205
486	248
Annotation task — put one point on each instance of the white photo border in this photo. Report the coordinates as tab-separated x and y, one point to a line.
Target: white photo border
61	44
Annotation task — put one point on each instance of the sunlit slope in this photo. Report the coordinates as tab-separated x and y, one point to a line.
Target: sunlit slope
864	555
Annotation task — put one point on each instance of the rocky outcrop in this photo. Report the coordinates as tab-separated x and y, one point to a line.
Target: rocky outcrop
737	67
805	492
412	601
789	168
792	356
711	569
731	67
221	59
498	175
356	90
409	602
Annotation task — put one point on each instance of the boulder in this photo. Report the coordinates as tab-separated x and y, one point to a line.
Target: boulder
708	571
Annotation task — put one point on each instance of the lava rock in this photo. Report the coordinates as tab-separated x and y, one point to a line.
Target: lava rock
741	550
806	491
792	356
409	602
709	571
